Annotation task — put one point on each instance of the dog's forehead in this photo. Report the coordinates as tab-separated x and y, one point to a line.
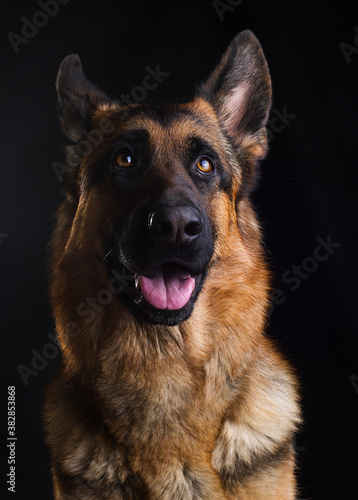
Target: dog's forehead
172	127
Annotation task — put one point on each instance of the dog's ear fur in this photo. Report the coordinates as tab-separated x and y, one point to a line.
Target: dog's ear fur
240	90
78	99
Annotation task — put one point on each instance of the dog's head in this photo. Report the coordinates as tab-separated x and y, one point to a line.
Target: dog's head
155	190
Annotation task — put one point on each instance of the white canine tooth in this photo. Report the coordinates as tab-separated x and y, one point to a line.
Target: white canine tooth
137	282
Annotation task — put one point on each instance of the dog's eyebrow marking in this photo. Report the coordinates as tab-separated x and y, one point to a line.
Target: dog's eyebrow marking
134	135
197	145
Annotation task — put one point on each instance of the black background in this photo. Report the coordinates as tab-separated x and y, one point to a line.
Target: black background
307	190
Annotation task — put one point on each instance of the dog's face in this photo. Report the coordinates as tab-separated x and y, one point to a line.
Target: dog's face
162	184
164	174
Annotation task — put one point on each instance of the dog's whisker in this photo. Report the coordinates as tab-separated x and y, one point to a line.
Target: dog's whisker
108	254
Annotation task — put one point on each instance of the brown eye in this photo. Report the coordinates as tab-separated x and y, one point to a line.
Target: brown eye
205	166
123	160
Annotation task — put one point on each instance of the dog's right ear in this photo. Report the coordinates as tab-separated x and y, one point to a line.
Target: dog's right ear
78	99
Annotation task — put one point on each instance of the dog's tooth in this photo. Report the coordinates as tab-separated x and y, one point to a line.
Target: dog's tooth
137	282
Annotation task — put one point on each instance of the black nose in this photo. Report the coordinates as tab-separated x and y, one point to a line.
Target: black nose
177	226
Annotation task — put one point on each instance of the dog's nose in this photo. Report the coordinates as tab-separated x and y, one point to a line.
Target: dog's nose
175	225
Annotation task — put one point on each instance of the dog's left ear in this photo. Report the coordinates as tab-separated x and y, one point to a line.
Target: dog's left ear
240	91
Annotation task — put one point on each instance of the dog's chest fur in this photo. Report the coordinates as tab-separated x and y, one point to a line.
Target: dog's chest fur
166	414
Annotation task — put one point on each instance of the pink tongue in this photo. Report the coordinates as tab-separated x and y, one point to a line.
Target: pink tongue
170	290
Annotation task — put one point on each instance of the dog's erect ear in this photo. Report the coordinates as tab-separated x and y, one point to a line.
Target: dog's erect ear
240	90
78	98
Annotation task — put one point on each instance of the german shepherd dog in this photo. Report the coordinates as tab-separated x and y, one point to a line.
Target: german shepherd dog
169	388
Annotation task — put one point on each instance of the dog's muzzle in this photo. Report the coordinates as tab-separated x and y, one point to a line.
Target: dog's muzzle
167	245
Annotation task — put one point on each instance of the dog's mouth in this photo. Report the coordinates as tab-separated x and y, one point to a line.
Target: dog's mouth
167	286
163	293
